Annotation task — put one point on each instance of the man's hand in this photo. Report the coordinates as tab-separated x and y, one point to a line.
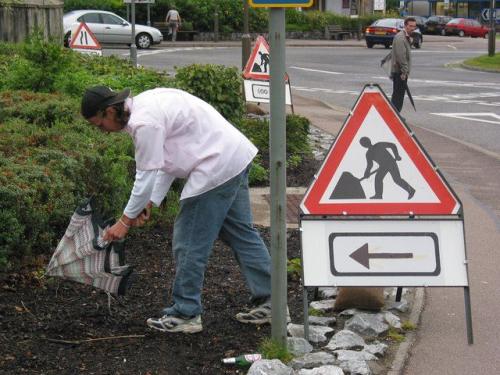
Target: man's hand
119	230
398	158
404	76
144	216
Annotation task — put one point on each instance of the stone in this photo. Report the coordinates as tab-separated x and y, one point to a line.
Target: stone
323	370
298	346
392	320
353	355
328	292
376	348
322	320
355	367
317	334
312	360
323	305
401	306
351	312
269	367
346	340
367	324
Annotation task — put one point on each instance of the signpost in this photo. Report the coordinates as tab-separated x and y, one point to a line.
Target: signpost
277	146
379	213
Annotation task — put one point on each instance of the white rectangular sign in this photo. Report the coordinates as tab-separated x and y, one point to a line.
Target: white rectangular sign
259	92
139	1
392	252
379	5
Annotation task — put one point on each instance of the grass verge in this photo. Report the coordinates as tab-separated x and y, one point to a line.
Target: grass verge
485	62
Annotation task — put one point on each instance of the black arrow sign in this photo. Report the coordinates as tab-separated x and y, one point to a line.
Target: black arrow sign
362	255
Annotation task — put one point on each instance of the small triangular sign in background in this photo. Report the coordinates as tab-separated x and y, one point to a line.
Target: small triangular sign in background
83	38
257	66
377	167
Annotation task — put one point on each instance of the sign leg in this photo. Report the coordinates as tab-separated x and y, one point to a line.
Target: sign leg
306	313
468	316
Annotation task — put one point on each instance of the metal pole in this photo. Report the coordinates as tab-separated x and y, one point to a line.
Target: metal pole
133	47
492	36
216	24
149	14
246	42
128	12
468	316
277	141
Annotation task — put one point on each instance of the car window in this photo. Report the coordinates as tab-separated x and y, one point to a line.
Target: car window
454	22
475	23
111	19
90	18
386	23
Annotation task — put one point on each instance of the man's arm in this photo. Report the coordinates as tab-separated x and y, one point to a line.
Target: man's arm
392	147
369	165
399	50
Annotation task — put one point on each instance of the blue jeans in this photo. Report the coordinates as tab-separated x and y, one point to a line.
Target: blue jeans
225	211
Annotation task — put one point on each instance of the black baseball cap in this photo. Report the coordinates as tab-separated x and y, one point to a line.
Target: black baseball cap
98	98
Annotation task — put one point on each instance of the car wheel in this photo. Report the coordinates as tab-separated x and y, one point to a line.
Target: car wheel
67	39
387	45
461	34
369	44
143	41
417	43
443	32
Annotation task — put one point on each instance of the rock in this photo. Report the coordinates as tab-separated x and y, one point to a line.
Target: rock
298	346
401	306
392	320
255	109
323	305
312	360
352	355
269	367
328	293
323	370
322	320
355	367
317	334
346	340
351	312
377	348
367	324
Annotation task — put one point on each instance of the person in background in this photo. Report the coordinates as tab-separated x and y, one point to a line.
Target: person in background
173	21
401	62
177	135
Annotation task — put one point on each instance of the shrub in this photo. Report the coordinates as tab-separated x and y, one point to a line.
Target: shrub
216	84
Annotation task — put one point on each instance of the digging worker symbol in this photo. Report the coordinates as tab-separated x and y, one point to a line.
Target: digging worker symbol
379	153
264	60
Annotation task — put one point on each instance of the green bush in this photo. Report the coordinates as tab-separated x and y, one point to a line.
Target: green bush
216	84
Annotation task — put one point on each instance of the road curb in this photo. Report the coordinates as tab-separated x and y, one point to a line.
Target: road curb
477	69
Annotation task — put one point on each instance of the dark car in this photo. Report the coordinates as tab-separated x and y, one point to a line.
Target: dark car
436	24
384	30
420	22
465	27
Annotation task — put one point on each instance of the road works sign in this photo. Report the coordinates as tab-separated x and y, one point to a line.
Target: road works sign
377	167
84	40
257	66
281	3
257	91
378	252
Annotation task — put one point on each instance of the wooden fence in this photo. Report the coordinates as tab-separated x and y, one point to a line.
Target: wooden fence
19	18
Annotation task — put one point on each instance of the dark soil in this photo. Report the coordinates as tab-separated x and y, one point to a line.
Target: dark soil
51	326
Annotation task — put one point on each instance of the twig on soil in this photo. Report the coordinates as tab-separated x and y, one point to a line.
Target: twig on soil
78	342
28	310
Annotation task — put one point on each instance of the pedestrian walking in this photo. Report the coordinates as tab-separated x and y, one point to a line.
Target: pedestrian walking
177	135
173	21
401	62
379	153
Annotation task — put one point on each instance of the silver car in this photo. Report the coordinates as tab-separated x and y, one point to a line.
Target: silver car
110	28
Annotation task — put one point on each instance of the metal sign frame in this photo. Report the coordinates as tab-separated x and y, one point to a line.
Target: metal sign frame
280	3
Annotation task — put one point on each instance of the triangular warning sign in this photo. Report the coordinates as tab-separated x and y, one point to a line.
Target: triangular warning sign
257	66
83	38
377	167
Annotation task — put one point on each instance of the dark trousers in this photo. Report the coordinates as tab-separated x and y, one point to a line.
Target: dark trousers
398	91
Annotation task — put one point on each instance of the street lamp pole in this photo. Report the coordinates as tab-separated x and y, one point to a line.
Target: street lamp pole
246	42
492	36
133	47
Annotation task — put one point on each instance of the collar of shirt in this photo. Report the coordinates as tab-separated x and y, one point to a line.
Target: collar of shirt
128	107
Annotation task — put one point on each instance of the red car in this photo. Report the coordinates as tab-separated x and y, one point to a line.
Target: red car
464	26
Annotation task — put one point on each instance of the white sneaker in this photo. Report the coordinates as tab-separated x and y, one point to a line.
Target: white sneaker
170	323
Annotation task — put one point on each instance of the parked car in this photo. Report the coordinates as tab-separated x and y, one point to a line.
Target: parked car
436	24
382	31
110	28
465	27
420	22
